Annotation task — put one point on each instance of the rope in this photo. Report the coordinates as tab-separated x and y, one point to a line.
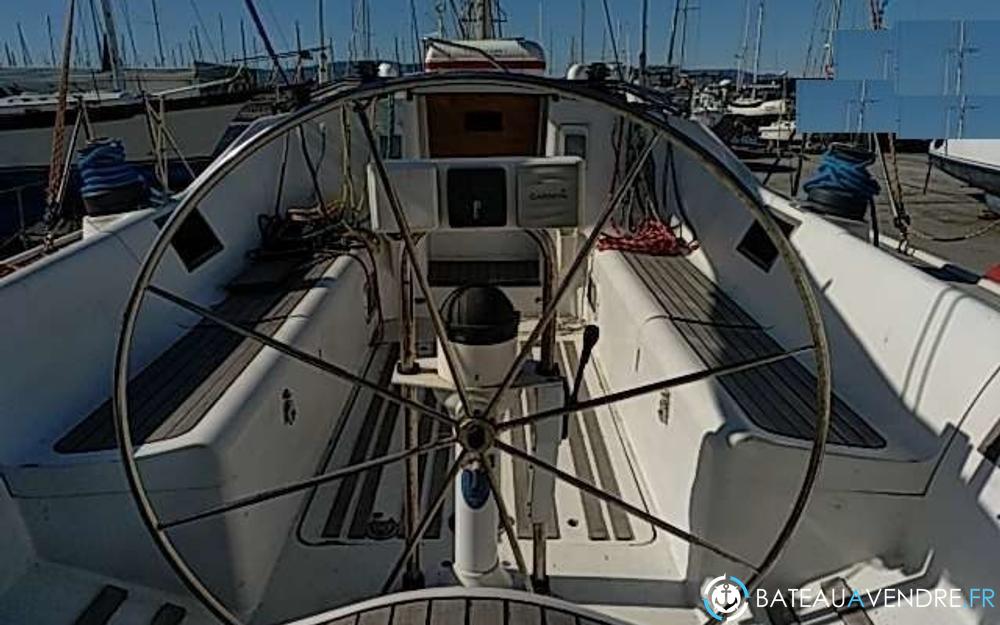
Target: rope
904	221
652	237
103	168
58	159
845	170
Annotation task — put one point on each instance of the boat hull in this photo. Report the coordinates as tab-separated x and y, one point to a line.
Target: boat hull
977	163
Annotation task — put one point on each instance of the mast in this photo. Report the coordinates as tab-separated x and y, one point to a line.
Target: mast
222	39
82	37
645	36
481	19
486	27
541	13
744	47
243	42
97	33
111	36
52	45
25	53
831	31
684	30
673	31
324	60
583	31
128	28
159	38
417	56
756	54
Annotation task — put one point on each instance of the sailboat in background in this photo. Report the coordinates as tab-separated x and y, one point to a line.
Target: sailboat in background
172	120
973	161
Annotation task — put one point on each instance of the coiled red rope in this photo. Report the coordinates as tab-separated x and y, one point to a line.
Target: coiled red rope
651	237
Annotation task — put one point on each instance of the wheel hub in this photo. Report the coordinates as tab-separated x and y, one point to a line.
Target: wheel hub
476	435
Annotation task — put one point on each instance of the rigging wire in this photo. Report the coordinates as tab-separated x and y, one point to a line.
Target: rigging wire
614	42
262	32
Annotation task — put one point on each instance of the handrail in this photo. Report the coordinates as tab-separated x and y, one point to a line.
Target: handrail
201	85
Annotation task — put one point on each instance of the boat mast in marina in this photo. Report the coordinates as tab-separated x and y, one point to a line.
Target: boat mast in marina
744	48
756	54
111	40
835	12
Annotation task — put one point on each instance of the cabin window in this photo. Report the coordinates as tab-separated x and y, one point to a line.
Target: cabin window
576	145
194	242
480	125
756	245
484	121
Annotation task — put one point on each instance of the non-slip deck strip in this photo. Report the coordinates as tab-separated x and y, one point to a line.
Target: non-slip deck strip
171	395
352	515
375	429
779	398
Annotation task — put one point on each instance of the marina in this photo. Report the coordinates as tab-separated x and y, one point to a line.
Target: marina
488	329
949	209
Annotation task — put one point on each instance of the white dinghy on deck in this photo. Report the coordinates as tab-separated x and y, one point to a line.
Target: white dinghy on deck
346	370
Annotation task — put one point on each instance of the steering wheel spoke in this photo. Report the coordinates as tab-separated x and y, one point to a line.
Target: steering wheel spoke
548	316
620	396
301	356
508	527
410	247
294	487
614	500
413	541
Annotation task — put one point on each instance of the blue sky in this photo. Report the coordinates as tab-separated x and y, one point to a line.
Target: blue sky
714	32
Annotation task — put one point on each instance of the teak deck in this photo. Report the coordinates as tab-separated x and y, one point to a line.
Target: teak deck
171	395
779	398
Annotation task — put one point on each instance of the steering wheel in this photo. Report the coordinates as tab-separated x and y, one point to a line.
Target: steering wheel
477	433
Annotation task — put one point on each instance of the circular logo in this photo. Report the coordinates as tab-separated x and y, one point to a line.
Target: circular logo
725	597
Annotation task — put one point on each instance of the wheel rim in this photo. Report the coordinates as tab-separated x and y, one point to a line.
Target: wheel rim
334	100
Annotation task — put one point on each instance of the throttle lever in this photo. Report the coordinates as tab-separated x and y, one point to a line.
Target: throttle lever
591	334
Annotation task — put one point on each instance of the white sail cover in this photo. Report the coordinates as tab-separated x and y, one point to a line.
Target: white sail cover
516	55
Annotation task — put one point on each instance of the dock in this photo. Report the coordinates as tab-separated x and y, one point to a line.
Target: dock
948	209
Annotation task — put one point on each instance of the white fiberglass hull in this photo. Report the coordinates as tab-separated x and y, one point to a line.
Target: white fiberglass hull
974	161
197	132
